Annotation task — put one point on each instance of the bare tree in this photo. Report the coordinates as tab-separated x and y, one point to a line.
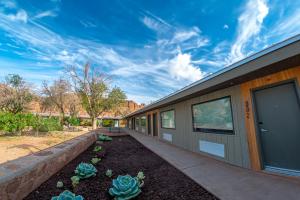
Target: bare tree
92	87
57	93
15	94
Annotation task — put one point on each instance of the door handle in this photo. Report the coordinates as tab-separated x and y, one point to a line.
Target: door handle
263	130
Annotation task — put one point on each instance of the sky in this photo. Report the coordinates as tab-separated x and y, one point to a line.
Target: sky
149	48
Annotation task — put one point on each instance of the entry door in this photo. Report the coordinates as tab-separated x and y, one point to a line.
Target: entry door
149	124
155	128
278	118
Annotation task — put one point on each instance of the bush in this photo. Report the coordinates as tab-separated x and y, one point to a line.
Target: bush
50	124
85	122
15	123
107	122
73	121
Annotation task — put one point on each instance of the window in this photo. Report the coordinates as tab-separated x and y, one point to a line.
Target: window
168	119
143	121
137	121
213	116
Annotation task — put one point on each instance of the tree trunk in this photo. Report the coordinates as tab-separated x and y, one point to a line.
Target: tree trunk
94	122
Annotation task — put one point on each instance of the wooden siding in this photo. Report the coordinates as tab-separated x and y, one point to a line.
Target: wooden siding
247	87
236	149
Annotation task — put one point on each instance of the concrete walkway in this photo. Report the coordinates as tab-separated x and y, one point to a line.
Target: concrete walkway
224	180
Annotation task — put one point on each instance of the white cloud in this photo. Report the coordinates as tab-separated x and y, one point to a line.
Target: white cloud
181	67
48	13
181	36
249	25
88	24
8	3
21	15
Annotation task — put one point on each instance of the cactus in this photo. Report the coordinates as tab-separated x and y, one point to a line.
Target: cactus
109	173
67	195
85	170
97	148
104	138
95	160
75	181
124	188
59	184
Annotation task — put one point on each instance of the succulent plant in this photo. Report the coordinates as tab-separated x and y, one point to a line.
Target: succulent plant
85	170
75	181
95	160
124	188
104	138
67	195
109	173
59	184
140	178
97	148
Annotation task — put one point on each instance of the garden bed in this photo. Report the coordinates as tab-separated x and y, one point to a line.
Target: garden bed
124	155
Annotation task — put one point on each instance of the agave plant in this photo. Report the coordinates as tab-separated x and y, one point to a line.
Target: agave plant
95	160
109	173
67	195
124	188
85	170
104	138
97	148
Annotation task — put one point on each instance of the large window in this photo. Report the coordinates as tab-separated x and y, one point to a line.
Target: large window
213	116
137	121
143	121
168	119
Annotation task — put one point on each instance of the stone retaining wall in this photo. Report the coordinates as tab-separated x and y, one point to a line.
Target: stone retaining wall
21	176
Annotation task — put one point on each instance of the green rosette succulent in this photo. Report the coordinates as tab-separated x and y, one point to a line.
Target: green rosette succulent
124	188
67	195
104	138
85	170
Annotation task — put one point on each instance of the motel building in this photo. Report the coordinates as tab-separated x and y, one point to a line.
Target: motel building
247	114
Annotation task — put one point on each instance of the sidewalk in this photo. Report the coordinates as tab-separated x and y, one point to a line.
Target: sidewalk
224	180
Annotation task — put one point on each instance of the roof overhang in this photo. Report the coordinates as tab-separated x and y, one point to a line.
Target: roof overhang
280	56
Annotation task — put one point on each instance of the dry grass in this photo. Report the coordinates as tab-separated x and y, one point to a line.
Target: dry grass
13	147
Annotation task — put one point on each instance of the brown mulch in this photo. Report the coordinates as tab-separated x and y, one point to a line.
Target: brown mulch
124	155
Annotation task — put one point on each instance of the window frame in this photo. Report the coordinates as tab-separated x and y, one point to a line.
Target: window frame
211	130
161	125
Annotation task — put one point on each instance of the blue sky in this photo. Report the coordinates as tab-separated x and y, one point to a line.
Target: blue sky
150	48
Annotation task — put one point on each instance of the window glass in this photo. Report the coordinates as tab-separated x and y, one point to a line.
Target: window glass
213	116
168	119
137	121
143	121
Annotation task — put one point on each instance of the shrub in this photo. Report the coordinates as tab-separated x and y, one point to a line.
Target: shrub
67	195
95	160
85	170
107	122
73	121
85	122
109	173
13	123
124	187
50	124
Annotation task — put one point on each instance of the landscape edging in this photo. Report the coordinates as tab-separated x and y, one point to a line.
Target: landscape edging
21	176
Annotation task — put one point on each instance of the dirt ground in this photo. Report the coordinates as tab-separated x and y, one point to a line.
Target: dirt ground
124	155
13	147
